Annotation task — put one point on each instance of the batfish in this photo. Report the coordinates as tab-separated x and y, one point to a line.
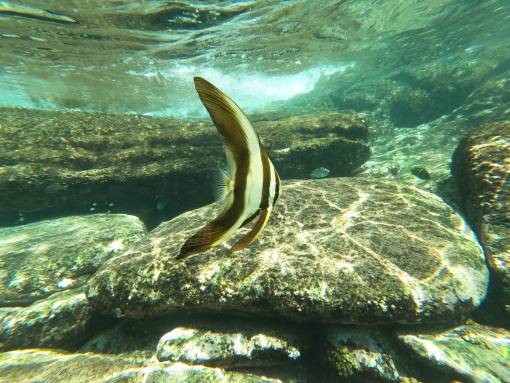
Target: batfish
250	185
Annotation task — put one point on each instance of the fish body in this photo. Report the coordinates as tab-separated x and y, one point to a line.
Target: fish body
320	172
252	184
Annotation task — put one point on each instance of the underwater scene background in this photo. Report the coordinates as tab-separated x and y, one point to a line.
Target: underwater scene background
386	257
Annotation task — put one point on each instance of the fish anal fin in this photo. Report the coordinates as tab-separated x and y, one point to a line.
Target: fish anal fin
250	218
255	230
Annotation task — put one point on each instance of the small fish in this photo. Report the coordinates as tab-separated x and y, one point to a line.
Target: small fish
420	172
250	184
320	172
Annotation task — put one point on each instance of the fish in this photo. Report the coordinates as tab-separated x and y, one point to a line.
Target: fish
420	172
250	185
320	172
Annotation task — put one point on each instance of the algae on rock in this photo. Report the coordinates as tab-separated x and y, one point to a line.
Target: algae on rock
45	257
475	352
44	266
50	366
481	166
55	163
339	250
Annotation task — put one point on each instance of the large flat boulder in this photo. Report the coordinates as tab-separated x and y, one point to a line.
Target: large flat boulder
56	163
63	320
481	166
339	250
43	268
41	258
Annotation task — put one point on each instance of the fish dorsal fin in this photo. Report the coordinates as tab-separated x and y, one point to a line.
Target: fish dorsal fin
229	119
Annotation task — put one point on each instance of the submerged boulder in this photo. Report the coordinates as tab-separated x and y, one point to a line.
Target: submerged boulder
55	163
268	347
63	320
43	267
481	166
49	366
340	250
361	354
477	353
231	347
489	103
39	259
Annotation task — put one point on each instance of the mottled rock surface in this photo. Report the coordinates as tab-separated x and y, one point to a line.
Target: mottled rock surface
48	366
266	348
129	336
481	166
475	352
54	163
39	259
364	354
242	348
63	320
340	250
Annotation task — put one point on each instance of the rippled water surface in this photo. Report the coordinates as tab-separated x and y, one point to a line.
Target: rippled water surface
104	55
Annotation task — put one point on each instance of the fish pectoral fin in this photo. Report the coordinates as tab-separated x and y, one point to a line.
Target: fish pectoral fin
255	230
223	184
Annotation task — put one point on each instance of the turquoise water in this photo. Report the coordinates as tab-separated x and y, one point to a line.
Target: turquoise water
386	259
118	56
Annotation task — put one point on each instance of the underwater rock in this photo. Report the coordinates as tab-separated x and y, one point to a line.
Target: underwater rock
271	349
364	354
49	366
129	336
39	259
410	107
489	103
481	166
64	320
373	354
242	348
56	163
475	352
438	87
298	145
337	250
